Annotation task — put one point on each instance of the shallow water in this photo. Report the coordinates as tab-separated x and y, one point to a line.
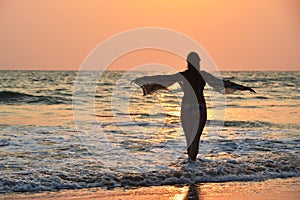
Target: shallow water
120	138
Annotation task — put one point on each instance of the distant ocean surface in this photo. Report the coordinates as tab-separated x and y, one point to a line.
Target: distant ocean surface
42	149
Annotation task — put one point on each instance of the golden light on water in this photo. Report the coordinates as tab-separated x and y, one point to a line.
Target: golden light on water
44	116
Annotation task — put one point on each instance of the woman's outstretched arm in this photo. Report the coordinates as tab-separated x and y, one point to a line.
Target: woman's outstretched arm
151	84
231	87
223	86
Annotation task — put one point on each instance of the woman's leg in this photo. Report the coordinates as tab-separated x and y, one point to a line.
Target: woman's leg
193	122
194	147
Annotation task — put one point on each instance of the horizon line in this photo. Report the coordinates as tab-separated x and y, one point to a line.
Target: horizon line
120	70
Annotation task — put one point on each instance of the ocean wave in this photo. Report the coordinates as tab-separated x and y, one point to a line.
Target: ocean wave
36	158
243	124
11	97
257	168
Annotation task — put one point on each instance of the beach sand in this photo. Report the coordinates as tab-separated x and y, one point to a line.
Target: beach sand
270	189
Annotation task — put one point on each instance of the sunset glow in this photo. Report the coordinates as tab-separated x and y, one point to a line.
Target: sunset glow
239	35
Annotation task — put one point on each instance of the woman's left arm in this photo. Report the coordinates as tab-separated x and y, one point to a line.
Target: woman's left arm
223	86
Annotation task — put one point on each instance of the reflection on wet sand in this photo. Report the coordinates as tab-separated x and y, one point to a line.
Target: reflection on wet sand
194	193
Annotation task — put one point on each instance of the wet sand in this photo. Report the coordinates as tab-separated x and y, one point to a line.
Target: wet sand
270	189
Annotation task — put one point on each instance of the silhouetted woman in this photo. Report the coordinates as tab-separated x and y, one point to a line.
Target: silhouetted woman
193	106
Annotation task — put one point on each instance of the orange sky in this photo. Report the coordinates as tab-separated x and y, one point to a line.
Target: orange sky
238	34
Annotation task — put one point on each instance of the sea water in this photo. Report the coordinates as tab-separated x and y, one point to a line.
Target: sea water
56	135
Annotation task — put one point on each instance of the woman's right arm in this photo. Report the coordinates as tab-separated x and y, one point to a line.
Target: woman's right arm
151	84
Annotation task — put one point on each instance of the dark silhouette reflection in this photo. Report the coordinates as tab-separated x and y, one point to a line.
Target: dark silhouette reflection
194	193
